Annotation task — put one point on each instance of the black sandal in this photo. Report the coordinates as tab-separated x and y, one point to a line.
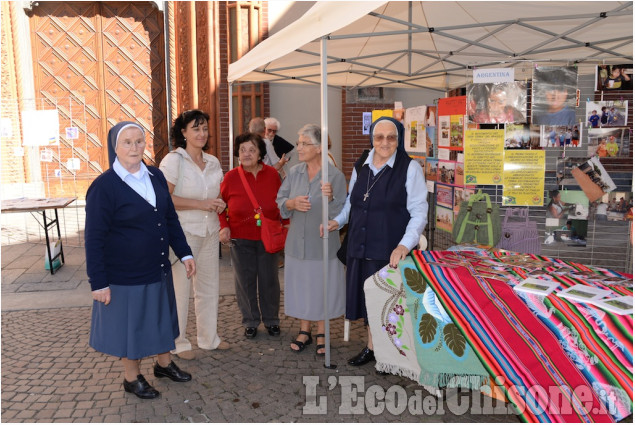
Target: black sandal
302	345
319	346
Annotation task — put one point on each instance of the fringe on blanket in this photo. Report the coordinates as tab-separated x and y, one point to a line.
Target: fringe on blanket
436	380
397	370
473	382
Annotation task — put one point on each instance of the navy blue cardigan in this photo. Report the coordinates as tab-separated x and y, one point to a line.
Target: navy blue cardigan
126	238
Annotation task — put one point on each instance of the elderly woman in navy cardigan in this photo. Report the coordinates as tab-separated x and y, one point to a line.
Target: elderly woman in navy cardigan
130	225
386	211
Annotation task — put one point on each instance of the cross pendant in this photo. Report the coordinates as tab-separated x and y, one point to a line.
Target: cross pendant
366	195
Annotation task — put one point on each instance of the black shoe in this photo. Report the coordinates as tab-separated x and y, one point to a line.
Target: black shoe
251	333
140	388
172	371
274	330
364	356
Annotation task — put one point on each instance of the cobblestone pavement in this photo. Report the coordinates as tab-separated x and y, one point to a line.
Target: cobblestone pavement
50	374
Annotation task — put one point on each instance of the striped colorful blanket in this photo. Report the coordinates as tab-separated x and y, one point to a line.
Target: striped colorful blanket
556	360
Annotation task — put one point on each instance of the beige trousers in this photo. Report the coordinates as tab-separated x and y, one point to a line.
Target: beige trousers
206	289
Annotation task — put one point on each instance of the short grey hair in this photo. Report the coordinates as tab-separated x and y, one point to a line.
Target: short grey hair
313	132
272	121
257	125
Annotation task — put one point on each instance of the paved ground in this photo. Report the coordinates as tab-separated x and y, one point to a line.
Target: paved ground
50	374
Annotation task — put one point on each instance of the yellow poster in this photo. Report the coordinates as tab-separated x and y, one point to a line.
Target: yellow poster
484	156
524	177
378	113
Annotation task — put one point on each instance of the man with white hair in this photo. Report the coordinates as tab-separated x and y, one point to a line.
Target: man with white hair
257	126
280	145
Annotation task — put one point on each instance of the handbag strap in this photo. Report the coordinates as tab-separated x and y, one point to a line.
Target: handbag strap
475	197
490	230
250	194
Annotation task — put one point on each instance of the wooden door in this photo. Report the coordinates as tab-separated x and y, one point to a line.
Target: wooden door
111	54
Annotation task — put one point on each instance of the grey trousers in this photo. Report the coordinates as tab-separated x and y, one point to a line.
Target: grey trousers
257	284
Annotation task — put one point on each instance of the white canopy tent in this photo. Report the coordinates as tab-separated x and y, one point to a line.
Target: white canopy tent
432	45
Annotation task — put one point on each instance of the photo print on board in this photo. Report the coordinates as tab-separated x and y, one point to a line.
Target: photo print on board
554	136
609	142
497	103
444	219
612	113
432	167
566	218
522	136
614	77
554	95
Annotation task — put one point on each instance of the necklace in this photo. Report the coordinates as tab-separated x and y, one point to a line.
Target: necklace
368	189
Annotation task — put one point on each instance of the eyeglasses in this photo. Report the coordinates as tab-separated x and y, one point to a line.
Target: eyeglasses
270	130
128	144
248	150
304	145
380	138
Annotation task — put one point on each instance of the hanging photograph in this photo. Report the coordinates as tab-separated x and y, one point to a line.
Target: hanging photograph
444	219
456	132
522	136
431	137
592	177
566	218
444	130
414	119
446	172
588	174
432	165
461	194
612	113
459	174
554	96
497	103
614	77
609	142
612	206
431	116
559	136
445	194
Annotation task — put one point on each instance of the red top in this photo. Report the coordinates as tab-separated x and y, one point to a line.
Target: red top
239	216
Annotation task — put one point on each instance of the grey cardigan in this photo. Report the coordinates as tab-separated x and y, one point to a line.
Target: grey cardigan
303	240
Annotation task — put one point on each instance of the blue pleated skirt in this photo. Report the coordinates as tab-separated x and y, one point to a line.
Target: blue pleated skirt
139	321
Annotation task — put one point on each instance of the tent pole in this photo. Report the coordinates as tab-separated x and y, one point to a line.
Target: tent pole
231	127
325	201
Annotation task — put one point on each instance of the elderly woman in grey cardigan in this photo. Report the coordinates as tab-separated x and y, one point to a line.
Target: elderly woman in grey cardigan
300	200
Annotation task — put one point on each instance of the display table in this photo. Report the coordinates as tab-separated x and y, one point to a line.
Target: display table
449	319
40	206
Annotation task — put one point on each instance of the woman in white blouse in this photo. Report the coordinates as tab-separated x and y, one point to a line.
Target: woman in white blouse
194	179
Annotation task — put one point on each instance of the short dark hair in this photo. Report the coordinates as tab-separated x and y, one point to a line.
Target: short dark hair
251	137
180	124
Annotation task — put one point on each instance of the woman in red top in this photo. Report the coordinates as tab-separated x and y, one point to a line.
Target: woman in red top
255	270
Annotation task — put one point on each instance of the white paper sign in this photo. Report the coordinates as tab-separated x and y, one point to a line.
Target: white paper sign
72	164
367	119
6	127
46	155
40	128
493	75
72	133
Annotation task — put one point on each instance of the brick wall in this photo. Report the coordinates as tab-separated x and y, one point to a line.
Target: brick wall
353	141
